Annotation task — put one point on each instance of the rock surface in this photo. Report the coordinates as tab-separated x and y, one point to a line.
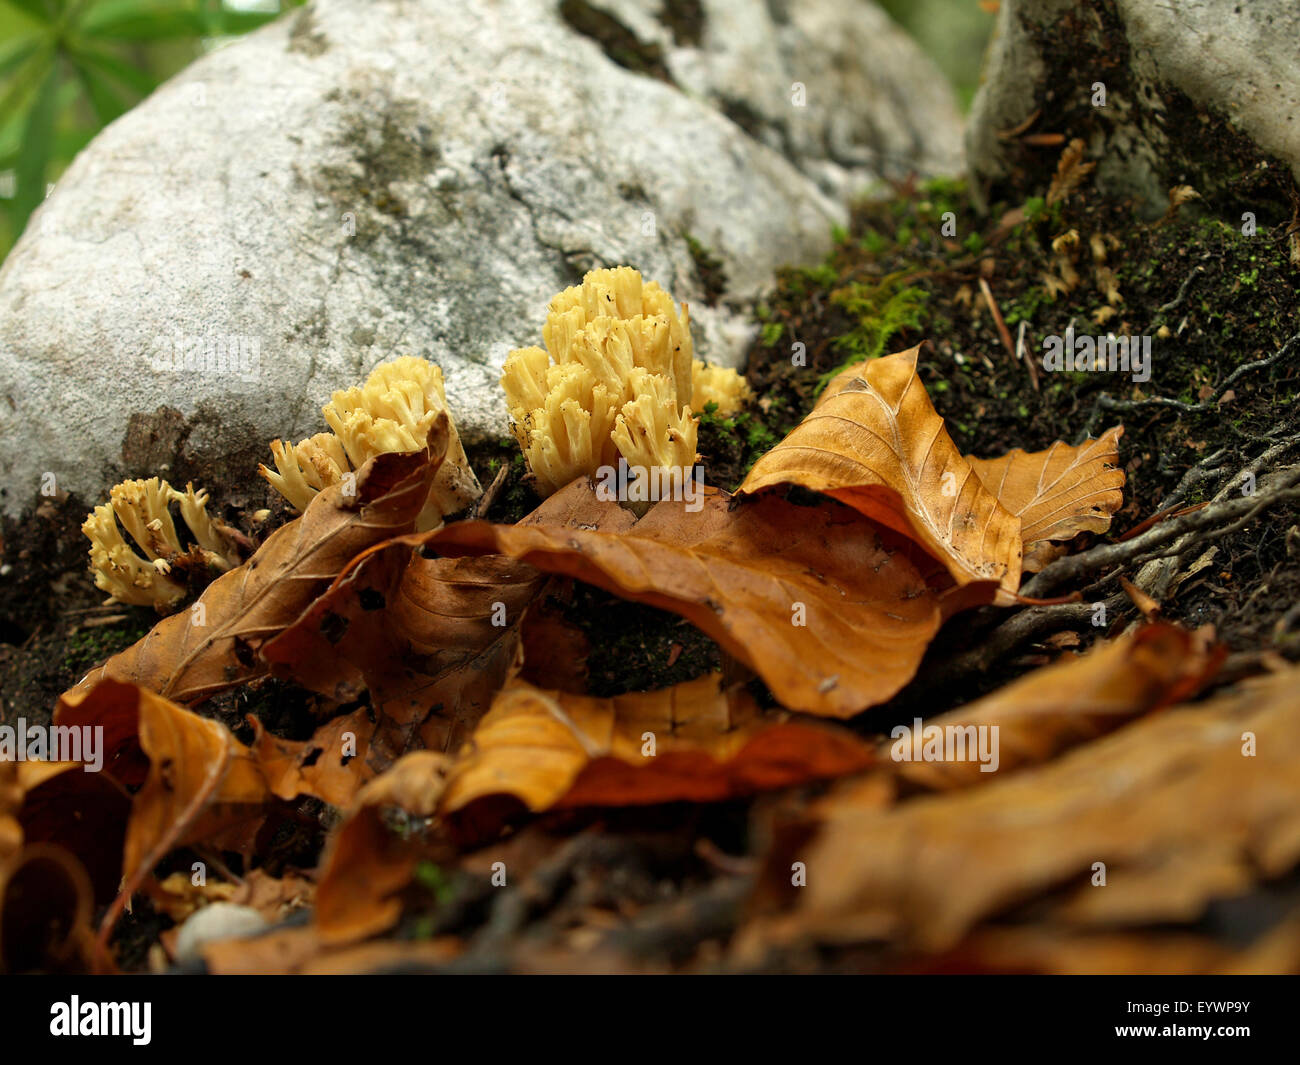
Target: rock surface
370	178
1201	92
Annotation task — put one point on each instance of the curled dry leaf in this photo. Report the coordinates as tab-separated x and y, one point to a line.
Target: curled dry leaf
431	639
188	776
875	442
1057	493
1092	952
1064	704
1197	803
808	597
46	895
695	742
365	865
214	644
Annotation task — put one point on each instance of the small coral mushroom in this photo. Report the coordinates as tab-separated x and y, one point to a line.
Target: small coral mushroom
142	509
617	377
392	412
717	384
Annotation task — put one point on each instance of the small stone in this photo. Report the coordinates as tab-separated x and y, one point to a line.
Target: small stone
213	923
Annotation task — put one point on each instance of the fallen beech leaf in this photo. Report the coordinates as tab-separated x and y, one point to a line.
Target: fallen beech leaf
46	895
431	639
17	779
189	775
1178	806
85	813
875	442
692	742
1057	493
331	765
366	865
1087	952
46	903
808	597
1060	952
1069	702
555	649
213	645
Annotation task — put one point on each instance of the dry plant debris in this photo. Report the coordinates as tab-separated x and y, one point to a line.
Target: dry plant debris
433	799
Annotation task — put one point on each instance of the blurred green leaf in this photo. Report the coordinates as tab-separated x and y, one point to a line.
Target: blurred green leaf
17	54
41	10
38	140
107	104
69	67
24	82
140	80
142	20
233	22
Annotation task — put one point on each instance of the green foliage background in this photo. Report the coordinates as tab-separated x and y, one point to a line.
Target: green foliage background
69	67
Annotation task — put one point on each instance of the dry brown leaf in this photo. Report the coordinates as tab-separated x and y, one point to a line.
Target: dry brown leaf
1036	949
1057	493
213	645
1069	702
46	895
1070	172
366	865
746	575
188	775
431	639
1174	806
332	765
695	742
875	442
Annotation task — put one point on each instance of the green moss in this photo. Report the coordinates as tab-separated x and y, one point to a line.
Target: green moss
881	311
730	445
89	647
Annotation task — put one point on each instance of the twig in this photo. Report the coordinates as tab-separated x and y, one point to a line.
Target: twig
1016	630
489	497
1205	469
1106	402
1221	518
1023	354
1174	303
997	318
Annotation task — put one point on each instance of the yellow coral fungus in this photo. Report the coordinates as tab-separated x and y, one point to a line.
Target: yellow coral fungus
720	385
142	508
618	377
392	412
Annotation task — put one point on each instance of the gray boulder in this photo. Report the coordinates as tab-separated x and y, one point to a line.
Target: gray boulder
369	178
1199	92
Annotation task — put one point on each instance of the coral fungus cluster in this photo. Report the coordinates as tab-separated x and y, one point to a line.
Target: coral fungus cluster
392	412
142	508
617	378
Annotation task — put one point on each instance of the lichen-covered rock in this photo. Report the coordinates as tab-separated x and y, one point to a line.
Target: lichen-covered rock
371	178
1201	92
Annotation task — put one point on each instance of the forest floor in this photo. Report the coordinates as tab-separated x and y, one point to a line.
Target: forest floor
918	264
